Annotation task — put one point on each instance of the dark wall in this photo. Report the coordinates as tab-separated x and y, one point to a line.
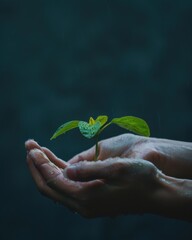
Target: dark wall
64	60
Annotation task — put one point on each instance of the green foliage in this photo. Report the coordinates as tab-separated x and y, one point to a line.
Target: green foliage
93	128
65	128
87	130
102	120
133	124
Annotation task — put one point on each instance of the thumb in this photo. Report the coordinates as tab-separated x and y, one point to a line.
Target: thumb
91	170
85	155
87	171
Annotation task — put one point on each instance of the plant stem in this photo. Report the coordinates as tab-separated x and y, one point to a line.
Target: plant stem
96	148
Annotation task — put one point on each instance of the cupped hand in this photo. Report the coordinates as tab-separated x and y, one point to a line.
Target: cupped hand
48	173
93	189
171	157
128	185
123	146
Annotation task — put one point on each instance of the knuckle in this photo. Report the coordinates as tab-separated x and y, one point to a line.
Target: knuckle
152	154
79	158
149	171
119	168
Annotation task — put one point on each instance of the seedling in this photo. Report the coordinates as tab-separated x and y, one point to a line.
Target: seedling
93	128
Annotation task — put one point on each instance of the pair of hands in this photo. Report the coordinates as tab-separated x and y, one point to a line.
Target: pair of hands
126	179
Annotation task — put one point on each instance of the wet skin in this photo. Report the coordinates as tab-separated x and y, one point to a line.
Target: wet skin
134	175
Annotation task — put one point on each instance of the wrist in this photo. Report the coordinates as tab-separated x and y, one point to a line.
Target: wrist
174	158
172	198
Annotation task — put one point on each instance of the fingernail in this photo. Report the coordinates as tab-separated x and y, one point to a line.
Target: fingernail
33	152
71	172
28	140
27	143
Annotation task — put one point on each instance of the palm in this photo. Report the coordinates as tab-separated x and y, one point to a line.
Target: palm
126	145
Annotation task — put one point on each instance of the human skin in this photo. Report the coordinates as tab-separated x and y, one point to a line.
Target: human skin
133	175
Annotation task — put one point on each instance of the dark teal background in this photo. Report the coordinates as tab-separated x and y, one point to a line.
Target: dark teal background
64	60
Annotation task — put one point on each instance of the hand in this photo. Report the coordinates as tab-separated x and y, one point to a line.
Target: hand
107	188
174	158
128	185
48	174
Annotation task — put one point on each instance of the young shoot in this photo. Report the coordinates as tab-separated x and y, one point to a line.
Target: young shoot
93	128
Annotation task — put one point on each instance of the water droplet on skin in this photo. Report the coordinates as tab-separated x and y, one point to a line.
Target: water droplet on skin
51	172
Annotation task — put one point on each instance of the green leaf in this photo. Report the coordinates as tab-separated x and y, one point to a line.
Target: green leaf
102	119
88	130
134	124
65	128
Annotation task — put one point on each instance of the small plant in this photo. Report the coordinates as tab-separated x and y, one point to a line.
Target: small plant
93	128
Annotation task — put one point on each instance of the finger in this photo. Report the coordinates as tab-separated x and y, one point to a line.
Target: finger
47	191
31	144
40	158
84	171
145	154
86	155
55	178
57	161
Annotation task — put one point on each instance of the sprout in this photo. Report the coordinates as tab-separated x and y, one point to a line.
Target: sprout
93	128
